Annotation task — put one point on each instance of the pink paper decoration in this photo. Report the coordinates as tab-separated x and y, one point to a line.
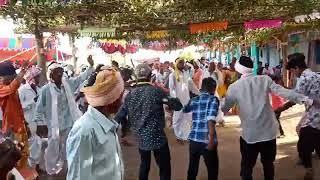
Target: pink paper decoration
3	2
275	23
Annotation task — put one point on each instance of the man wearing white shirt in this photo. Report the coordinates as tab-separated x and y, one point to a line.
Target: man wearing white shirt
216	74
28	95
180	85
258	121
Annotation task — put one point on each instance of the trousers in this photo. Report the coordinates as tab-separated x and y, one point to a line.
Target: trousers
162	157
249	155
309	141
196	150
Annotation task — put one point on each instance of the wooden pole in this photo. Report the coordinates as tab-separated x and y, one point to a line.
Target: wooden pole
41	59
284	50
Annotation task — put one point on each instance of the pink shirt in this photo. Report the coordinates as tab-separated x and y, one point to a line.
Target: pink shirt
197	78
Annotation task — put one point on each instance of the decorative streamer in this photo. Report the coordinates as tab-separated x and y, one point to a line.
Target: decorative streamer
3	2
12	43
157	34
208	27
19	43
25	43
238	52
22	52
254	57
228	55
268	53
98	32
251	25
4	42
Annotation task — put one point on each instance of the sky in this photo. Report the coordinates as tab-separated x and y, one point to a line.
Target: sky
7	27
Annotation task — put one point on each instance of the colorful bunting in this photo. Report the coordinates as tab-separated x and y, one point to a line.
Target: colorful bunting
3	2
254	57
111	46
98	32
208	27
251	25
157	34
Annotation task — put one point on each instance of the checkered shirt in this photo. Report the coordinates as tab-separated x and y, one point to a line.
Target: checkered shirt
204	108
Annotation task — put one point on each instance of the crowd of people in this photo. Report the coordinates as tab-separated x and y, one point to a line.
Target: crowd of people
74	119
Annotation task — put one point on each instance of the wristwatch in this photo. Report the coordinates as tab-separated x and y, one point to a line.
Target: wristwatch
307	101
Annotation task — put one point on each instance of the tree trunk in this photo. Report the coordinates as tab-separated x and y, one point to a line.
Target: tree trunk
41	59
285	72
74	58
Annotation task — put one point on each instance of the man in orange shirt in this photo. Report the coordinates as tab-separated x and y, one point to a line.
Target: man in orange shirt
13	123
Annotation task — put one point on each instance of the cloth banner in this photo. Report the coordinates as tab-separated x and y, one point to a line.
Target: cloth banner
251	25
208	27
98	32
3	2
17	43
157	34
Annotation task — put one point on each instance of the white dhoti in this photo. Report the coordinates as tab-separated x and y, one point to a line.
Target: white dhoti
182	124
55	153
220	116
37	148
181	89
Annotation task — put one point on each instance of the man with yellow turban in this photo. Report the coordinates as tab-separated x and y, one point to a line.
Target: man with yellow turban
180	85
93	149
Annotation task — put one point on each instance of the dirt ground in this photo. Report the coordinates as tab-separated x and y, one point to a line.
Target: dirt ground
229	154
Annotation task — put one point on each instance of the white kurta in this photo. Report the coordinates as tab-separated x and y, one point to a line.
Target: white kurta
27	98
181	89
218	77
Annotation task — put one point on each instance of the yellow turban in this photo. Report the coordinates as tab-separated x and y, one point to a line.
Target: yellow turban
176	70
107	88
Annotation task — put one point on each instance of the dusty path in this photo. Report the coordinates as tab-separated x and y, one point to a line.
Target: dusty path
229	154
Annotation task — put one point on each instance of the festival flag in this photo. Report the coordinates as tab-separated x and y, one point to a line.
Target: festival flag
258	24
208	27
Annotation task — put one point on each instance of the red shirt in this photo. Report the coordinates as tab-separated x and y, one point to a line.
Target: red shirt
277	101
13	117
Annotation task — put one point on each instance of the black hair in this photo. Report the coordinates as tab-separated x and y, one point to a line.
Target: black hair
126	72
115	64
98	68
208	85
276	77
91	80
296	60
246	61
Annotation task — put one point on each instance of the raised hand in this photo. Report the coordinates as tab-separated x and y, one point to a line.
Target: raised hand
90	60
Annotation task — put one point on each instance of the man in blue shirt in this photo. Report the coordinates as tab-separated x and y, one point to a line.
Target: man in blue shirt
93	148
203	138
